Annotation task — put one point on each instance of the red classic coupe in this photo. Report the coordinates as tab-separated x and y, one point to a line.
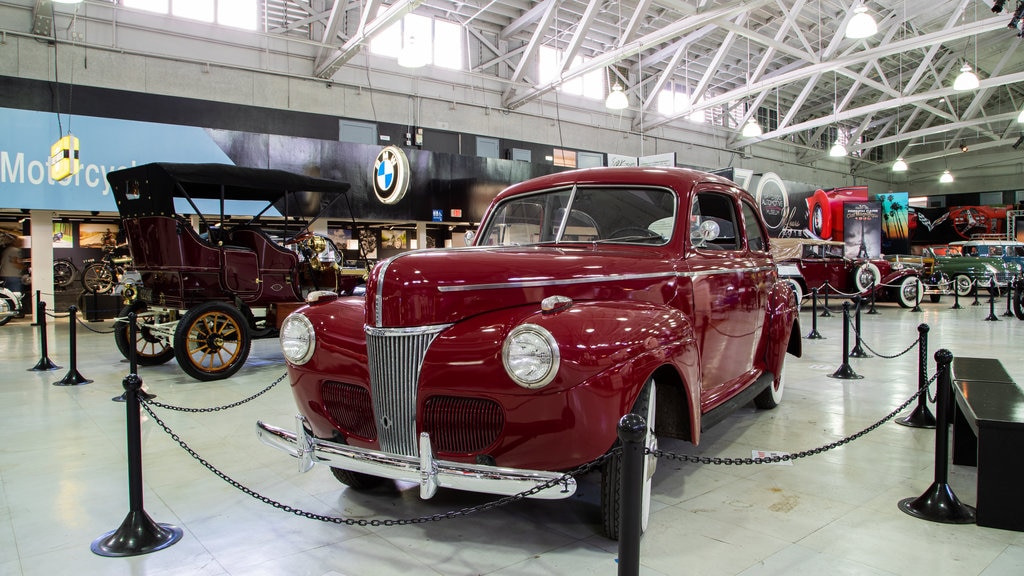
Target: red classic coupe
584	295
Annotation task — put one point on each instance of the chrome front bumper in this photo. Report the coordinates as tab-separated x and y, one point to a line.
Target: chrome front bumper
429	473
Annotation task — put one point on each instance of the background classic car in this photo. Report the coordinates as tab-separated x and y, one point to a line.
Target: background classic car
966	268
586	294
809	264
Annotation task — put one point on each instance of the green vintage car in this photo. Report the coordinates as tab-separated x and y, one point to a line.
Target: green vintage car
987	272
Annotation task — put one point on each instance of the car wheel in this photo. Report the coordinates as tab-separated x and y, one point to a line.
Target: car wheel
798	292
962	284
150	349
771	396
211	341
357	480
1018	300
865	276
935	298
8	308
611	474
63	273
908	291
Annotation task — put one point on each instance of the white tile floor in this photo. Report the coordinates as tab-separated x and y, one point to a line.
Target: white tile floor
63	479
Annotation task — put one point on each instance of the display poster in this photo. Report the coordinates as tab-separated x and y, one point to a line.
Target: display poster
620	160
666	159
862	229
62	235
1018	222
97	235
340	236
368	243
895	222
394	239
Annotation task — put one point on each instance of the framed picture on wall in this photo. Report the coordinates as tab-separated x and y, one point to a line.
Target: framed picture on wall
62	235
97	235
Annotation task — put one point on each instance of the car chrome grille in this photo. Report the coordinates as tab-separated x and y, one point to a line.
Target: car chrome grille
462	425
395	356
350	408
1004	277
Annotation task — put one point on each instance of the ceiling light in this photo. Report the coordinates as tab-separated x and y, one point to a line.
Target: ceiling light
1021	117
617	99
967	80
963	146
900	165
751	129
68	1
946	178
862	25
837	150
412	56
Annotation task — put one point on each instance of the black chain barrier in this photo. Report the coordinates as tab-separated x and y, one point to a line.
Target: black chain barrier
865	344
219	408
563	479
797	455
93	330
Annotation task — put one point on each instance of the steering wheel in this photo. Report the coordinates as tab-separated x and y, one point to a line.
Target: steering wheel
633	231
304	235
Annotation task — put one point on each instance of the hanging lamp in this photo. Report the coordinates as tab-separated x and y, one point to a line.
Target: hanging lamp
861	25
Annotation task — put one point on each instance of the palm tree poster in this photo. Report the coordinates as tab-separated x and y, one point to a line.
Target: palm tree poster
895	222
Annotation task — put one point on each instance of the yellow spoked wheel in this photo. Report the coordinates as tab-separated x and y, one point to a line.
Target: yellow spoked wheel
212	341
151	349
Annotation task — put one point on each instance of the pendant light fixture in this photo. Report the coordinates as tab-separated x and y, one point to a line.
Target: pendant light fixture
1021	117
617	99
837	150
861	25
967	79
412	54
751	129
946	178
900	165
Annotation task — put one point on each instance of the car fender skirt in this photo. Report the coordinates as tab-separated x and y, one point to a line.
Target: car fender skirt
424	470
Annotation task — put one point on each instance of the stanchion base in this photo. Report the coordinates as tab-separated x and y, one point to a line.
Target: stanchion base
814	335
845	372
916	308
143	395
1007	314
992	318
138	534
826	313
43	365
956	306
72	378
921	417
872	311
939	504
859	353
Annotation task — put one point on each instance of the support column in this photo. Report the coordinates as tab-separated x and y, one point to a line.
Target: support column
40	242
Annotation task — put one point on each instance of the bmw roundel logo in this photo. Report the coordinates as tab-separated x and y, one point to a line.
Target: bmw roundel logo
390	175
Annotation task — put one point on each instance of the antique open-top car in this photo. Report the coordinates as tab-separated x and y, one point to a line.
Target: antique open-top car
205	296
810	264
584	295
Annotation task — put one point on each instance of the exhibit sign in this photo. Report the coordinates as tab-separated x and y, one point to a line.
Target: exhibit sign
895	222
862	230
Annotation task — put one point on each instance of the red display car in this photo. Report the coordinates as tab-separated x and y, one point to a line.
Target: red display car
585	295
810	264
205	296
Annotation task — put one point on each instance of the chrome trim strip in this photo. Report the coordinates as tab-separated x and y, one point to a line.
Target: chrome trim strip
378	298
424	469
601	278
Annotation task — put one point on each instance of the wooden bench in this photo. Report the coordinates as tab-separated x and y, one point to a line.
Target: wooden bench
988	432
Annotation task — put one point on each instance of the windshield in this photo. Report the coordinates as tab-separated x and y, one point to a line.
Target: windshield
584	214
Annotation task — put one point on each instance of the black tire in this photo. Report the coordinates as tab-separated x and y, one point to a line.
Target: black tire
909	291
97	279
63	273
8	308
611	471
935	298
771	396
866	276
358	480
212	341
798	292
150	349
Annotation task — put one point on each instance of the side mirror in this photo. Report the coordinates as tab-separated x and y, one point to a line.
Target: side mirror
709	230
470	236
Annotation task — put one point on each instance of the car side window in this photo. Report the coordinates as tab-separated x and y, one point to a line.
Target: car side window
714	208
752	226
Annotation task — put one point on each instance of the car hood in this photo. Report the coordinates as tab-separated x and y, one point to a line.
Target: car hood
443	286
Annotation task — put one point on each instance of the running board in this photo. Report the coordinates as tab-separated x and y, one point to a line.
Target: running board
718	413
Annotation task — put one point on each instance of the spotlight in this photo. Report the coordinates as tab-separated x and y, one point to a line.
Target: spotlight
997	6
963	146
1016	145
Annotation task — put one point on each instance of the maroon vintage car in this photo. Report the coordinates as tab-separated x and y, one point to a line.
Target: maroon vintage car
811	263
585	295
205	296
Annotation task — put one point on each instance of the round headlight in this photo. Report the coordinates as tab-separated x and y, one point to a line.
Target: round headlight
298	340
530	355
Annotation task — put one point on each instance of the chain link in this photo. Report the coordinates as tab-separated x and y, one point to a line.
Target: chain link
789	457
219	408
91	329
563	479
853	327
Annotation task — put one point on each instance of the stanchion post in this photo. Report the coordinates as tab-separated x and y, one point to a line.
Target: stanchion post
814	335
73	377
138	533
974	291
939	503
825	312
858	351
632	430
1009	298
35	307
845	371
919	288
871	308
921	417
992	302
956	297
44	359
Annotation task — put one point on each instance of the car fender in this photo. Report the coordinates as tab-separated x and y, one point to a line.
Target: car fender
892	279
783	322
